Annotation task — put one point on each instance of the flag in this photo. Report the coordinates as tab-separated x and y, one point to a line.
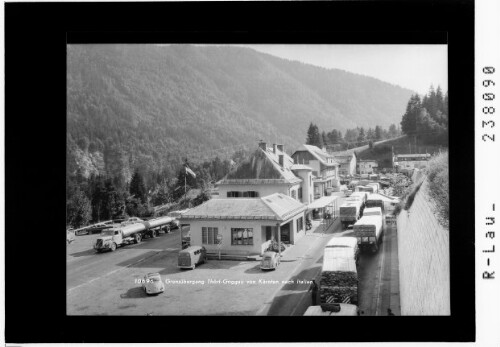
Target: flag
189	171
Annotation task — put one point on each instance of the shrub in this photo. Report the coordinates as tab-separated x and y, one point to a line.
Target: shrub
438	177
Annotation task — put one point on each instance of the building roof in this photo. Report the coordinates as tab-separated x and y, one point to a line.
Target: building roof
343	159
322	202
277	207
300	167
319	154
263	168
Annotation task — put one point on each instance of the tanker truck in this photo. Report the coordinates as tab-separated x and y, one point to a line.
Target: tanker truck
126	233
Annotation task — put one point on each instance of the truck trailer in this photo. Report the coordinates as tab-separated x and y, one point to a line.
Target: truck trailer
350	211
339	280
110	239
334	310
369	231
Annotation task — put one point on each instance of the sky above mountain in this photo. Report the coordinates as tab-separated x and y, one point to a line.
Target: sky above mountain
415	67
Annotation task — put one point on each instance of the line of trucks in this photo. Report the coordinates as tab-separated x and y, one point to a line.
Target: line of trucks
338	288
364	210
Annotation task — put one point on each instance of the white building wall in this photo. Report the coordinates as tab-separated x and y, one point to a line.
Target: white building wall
259	238
307	187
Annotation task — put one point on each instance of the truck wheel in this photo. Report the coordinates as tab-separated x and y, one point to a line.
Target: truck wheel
113	247
153	234
137	238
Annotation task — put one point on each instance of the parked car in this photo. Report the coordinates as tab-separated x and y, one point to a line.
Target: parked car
270	260
97	228
347	192
192	256
152	283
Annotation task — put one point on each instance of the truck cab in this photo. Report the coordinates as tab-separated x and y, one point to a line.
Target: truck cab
109	240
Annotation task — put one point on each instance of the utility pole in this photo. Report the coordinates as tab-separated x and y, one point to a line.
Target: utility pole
279	239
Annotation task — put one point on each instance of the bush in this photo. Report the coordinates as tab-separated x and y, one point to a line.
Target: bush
438	178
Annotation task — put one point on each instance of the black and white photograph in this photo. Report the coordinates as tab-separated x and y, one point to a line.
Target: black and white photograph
248	168
281	180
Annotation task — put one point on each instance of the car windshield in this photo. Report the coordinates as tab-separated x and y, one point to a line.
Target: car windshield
107	232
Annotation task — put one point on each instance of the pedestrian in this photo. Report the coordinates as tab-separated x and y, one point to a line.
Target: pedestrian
389	312
314	289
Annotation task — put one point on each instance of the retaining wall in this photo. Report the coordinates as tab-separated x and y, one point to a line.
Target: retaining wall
424	268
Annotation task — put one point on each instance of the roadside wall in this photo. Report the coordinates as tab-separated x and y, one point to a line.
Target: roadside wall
424	269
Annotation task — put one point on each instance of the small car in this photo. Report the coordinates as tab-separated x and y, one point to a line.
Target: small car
347	192
152	284
270	260
190	257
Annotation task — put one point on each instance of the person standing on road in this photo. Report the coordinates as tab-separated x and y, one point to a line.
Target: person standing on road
314	289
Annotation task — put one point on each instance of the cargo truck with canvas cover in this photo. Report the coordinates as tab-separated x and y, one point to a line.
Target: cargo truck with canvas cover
332	310
375	200
369	230
350	211
343	247
339	280
373	211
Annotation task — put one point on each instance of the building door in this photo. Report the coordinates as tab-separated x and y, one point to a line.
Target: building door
285	233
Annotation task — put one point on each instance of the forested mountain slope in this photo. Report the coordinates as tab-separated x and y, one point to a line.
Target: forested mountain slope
149	106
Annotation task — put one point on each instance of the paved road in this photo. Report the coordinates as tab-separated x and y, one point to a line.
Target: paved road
378	280
84	265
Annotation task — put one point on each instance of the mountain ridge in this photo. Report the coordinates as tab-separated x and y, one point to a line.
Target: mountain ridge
149	106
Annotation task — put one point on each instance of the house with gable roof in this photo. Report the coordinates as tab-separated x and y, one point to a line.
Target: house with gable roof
324	166
266	197
246	225
269	170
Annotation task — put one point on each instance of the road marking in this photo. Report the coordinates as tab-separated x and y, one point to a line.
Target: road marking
119	269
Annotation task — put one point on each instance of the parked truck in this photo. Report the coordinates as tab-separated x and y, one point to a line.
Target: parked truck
369	231
339	280
127	233
350	211
375	200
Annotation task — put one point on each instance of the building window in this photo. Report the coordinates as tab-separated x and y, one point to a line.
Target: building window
293	194
209	235
241	236
300	224
251	194
310	181
234	194
300	193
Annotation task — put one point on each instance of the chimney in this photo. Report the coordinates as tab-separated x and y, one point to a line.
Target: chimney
281	159
263	145
274	148
281	148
